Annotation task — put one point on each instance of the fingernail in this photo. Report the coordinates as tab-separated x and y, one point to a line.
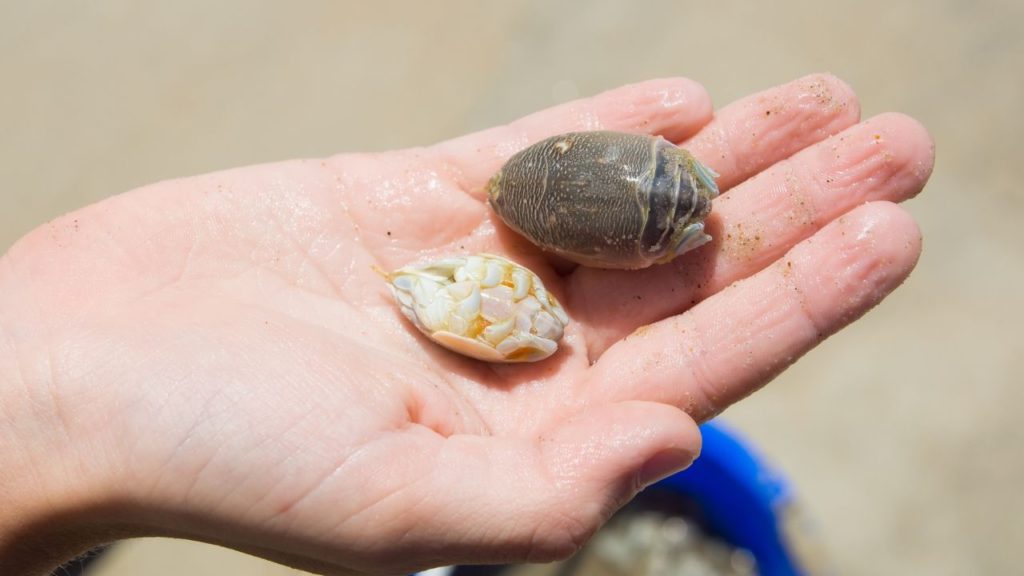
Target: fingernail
664	464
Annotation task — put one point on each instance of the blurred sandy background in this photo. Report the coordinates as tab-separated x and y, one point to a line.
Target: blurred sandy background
902	434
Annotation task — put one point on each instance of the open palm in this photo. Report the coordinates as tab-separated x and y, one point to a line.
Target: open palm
231	369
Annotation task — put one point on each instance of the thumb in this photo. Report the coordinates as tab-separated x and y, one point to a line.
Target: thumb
611	452
540	499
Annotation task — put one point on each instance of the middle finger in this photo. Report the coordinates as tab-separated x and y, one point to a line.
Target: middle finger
886	158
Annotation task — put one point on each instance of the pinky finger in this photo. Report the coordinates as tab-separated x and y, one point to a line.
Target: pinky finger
739	339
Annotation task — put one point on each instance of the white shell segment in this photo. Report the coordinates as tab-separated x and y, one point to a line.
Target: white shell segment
483	306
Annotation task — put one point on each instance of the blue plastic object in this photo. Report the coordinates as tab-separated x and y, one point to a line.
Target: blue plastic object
740	499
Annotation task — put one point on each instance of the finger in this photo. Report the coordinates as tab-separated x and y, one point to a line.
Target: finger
674	108
736	341
505	499
889	157
755	132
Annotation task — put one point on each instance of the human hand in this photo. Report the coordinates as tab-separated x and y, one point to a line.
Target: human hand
214	358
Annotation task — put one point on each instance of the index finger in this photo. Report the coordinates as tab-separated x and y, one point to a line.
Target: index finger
737	340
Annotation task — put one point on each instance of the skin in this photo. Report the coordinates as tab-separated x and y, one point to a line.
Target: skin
215	358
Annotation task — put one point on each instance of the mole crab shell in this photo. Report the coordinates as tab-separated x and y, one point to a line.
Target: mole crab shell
483	306
606	199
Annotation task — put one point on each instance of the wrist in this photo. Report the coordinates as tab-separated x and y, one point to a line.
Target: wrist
47	504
